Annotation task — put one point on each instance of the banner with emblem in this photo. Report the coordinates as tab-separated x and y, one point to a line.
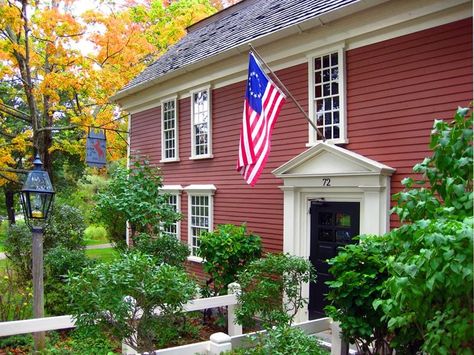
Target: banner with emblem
96	148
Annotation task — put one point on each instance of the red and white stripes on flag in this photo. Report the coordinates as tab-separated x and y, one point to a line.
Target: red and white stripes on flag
262	105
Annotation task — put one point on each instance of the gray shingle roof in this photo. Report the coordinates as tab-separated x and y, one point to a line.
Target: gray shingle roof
234	26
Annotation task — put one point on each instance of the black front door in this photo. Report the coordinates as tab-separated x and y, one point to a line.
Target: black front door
333	224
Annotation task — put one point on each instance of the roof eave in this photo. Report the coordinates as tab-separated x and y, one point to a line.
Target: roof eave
259	41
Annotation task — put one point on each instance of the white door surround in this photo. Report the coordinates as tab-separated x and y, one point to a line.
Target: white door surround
326	171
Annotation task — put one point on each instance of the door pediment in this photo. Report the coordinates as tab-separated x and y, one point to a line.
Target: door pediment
325	159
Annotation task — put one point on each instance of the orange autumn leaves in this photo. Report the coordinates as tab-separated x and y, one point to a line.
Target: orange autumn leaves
76	62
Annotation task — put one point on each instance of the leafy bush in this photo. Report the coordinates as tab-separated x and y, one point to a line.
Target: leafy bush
429	291
226	251
164	249
18	250
15	298
359	271
426	299
66	228
95	232
84	341
264	283
283	340
59	262
134	195
112	295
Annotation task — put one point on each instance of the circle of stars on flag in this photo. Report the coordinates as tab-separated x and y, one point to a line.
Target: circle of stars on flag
258	94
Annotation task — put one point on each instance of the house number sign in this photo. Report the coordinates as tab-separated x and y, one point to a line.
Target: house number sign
326	182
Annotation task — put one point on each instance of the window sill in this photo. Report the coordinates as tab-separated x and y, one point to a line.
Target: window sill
169	160
200	157
195	259
330	141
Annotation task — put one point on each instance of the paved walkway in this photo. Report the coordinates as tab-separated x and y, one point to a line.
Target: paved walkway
98	246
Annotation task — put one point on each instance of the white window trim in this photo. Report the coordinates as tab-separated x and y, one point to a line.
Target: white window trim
200	190
340	48
176	130
175	190
209	138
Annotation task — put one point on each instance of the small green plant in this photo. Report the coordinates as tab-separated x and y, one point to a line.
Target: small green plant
122	298
84	341
271	289
226	251
359	272
164	248
283	340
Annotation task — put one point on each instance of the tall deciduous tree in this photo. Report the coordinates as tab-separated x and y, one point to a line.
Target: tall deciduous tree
52	89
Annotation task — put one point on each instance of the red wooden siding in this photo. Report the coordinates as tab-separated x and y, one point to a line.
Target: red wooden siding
395	89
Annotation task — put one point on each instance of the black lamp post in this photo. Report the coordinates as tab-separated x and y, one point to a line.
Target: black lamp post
36	199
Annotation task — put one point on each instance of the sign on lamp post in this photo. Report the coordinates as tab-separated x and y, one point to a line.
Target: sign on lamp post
36	198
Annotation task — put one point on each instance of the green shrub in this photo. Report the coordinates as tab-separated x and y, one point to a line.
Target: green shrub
134	195
226	251
111	295
18	342
164	249
265	281
66	228
283	340
426	300
95	232
84	341
15	298
428	295
18	250
59	262
359	273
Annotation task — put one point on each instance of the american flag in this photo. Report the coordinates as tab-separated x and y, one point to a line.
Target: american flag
262	105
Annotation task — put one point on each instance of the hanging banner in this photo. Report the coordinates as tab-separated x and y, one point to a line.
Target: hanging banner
96	148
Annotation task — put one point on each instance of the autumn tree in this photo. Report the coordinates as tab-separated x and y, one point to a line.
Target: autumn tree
52	89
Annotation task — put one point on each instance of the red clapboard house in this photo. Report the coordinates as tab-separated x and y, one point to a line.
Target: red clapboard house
373	75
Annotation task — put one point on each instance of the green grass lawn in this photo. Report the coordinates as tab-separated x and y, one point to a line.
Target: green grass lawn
105	255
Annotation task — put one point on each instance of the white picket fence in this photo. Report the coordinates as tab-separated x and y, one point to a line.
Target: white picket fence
221	342
217	343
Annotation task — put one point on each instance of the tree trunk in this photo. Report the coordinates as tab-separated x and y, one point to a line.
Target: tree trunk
10	204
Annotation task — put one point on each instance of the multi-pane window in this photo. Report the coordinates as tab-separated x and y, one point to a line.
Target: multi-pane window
169	146
201	124
173	229
199	219
327	105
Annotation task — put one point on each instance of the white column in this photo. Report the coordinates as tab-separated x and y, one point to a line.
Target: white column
219	343
232	326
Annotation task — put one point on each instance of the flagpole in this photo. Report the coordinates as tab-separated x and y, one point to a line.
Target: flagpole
318	132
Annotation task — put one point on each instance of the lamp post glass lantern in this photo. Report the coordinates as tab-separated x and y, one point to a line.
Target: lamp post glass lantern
36	198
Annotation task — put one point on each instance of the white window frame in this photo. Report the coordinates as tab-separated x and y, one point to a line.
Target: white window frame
174	190
312	137
164	159
209	124
199	190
